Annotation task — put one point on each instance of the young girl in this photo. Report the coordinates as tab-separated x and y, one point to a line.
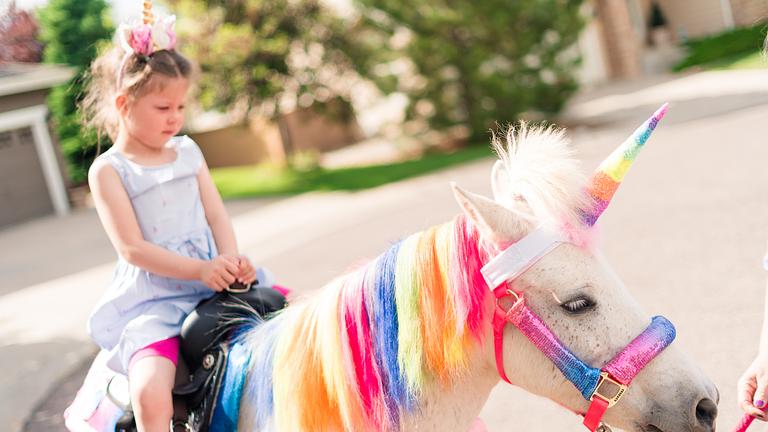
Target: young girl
157	202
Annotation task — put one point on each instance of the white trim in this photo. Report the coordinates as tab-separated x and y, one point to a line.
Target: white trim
34	117
38	78
725	6
518	257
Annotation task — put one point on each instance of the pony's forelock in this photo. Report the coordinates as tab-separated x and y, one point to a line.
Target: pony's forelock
543	172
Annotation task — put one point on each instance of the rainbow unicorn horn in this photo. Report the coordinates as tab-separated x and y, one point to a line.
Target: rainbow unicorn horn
611	172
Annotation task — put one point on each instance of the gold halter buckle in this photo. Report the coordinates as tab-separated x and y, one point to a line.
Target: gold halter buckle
619	389
508	293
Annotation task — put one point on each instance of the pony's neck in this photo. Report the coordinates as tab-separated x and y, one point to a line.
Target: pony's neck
456	407
395	345
442	304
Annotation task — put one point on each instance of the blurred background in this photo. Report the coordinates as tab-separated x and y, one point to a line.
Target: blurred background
332	127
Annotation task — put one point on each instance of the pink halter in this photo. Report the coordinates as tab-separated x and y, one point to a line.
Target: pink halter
594	384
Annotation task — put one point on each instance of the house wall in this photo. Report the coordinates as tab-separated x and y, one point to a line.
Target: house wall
24	192
231	146
693	18
619	40
310	131
22	100
593	68
263	140
749	12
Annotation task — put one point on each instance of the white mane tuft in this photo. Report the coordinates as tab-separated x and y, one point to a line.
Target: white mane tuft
541	170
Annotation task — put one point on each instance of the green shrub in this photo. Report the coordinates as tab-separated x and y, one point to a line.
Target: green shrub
722	45
72	31
475	63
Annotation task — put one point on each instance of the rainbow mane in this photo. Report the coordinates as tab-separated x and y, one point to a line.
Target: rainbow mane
360	353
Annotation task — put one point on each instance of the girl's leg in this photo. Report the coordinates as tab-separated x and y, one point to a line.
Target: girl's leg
478	426
151	381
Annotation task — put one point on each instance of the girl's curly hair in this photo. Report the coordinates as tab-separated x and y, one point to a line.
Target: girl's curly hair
140	75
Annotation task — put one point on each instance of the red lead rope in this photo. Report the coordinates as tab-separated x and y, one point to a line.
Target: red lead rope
745	422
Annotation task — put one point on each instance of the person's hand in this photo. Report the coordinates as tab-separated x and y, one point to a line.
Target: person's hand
218	273
753	388
246	272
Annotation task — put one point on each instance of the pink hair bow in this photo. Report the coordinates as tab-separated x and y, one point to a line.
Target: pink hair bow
144	39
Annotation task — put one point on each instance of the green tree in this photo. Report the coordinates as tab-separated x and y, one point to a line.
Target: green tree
72	31
475	63
272	55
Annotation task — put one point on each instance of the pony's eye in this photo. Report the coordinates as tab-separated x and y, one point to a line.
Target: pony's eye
578	305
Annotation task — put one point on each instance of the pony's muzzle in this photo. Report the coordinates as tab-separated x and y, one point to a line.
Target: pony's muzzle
698	414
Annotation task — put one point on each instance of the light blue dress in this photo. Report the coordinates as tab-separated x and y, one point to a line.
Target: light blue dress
139	307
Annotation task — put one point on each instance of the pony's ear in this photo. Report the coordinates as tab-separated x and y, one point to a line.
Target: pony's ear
495	222
499	181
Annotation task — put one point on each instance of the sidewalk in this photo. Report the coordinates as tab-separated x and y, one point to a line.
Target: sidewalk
694	96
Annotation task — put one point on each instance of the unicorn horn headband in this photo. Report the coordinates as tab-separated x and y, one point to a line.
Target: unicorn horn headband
519	256
147	12
144	38
612	170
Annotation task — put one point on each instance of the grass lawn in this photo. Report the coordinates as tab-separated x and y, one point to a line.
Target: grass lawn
737	48
261	180
753	60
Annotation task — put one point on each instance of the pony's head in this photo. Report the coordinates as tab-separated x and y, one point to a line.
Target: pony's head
536	185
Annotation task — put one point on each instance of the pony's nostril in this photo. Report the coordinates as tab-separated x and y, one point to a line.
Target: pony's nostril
706	412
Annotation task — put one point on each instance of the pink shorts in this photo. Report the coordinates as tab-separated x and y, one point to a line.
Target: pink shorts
168	348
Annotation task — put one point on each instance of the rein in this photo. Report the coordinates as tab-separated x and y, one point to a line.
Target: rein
602	387
744	423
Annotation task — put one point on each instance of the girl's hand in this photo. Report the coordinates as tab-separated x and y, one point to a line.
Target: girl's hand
753	388
246	272
219	273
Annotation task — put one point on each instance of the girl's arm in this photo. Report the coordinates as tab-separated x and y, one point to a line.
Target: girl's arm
119	220
764	334
221	225
752	387
216	214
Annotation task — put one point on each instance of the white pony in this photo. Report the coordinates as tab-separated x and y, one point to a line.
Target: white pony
512	288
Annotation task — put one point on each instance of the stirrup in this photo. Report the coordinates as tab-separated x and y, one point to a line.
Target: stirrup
183	425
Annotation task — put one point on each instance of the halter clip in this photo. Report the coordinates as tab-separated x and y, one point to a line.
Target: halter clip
619	390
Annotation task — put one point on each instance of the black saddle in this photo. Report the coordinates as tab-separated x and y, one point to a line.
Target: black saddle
204	351
214	317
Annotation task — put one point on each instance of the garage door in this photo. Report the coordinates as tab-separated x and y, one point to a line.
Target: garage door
23	191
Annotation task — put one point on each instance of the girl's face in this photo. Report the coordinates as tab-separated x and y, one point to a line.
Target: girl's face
156	116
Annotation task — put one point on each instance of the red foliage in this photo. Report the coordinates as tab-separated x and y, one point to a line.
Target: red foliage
18	37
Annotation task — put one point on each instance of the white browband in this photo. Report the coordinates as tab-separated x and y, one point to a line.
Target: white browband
517	258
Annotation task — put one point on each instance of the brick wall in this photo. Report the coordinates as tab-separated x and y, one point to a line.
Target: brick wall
749	12
693	18
620	45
